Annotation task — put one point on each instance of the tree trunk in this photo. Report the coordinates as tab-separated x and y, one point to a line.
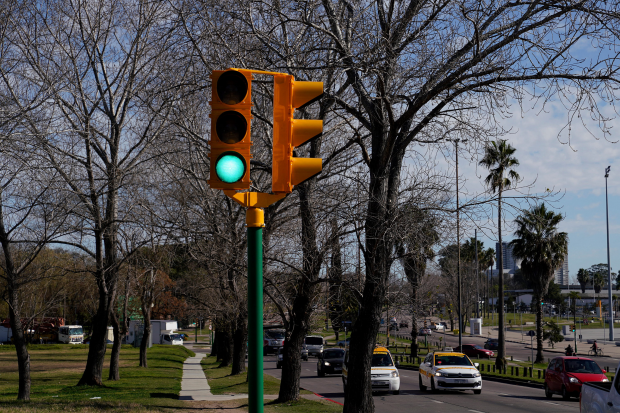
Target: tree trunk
96	351
146	313
225	346
500	361
216	340
116	349
240	338
539	332
291	368
21	347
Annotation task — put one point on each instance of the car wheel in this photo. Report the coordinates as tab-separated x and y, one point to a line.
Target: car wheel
422	387
548	393
278	366
320	373
396	392
264	351
565	394
433	389
477	391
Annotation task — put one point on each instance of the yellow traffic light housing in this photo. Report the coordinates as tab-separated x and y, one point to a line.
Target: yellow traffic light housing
231	102
289	133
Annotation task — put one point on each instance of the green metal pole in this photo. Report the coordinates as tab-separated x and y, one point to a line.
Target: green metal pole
255	317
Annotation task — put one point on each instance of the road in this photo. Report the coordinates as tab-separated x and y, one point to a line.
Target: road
495	397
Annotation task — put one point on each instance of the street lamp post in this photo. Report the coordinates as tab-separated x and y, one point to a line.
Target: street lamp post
610	306
458	239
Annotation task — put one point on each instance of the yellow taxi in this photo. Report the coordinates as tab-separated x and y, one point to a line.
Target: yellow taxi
449	371
384	374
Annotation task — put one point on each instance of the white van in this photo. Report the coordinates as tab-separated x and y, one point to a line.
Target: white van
314	345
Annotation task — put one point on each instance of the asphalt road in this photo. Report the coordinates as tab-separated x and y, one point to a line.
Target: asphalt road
495	397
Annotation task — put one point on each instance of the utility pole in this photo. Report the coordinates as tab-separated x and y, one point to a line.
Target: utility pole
458	240
610	306
477	276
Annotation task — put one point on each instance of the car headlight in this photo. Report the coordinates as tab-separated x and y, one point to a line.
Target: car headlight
327	363
573	380
394	373
476	374
604	380
438	374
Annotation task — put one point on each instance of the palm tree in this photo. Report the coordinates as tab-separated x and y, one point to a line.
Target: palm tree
583	277
499	160
542	249
488	259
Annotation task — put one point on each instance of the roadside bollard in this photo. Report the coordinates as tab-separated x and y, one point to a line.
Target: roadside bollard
538	373
512	370
531	373
544	373
493	368
517	371
511	359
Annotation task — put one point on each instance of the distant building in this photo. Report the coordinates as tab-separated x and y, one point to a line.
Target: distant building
510	262
561	274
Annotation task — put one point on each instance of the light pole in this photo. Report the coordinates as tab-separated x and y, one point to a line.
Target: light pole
610	306
458	239
477	276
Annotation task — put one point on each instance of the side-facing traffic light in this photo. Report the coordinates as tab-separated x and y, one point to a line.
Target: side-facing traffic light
572	328
289	133
230	129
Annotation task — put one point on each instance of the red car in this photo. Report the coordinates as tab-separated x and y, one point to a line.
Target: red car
565	375
474	350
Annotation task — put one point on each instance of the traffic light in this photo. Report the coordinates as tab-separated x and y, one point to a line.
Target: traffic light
572	328
231	94
289	133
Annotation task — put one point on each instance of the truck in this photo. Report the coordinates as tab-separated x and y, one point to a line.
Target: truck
162	332
600	397
273	340
73	334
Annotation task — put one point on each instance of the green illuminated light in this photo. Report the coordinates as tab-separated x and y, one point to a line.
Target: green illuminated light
230	168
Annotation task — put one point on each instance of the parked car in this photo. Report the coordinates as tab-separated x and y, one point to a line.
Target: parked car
344	343
330	362
565	376
438	326
474	350
403	324
444	370
600	396
425	332
491	344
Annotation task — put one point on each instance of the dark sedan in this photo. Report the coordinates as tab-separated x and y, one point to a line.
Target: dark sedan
330	362
491	344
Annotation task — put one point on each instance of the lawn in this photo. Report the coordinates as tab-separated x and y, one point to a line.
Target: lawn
56	369
221	382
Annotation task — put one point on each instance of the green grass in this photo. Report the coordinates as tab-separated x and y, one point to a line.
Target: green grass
303	406
56	369
221	382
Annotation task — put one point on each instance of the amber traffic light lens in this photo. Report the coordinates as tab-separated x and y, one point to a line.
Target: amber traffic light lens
232	87
231	127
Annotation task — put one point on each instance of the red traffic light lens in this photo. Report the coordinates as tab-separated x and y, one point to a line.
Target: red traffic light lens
232	87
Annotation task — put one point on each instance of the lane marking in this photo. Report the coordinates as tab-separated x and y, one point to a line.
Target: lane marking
555	404
476	411
437	401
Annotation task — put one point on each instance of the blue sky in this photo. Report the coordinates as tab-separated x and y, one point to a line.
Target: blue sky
577	169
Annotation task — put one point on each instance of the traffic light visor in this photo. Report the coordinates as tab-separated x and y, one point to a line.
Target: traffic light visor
231	127
232	87
230	167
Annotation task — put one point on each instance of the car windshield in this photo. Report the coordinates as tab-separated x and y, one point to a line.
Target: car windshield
478	347
75	331
176	337
314	341
276	335
582	366
452	361
333	354
381	359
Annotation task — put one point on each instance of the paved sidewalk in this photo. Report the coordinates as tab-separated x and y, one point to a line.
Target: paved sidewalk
194	385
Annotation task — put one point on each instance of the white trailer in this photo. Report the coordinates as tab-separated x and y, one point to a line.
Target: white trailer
162	332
